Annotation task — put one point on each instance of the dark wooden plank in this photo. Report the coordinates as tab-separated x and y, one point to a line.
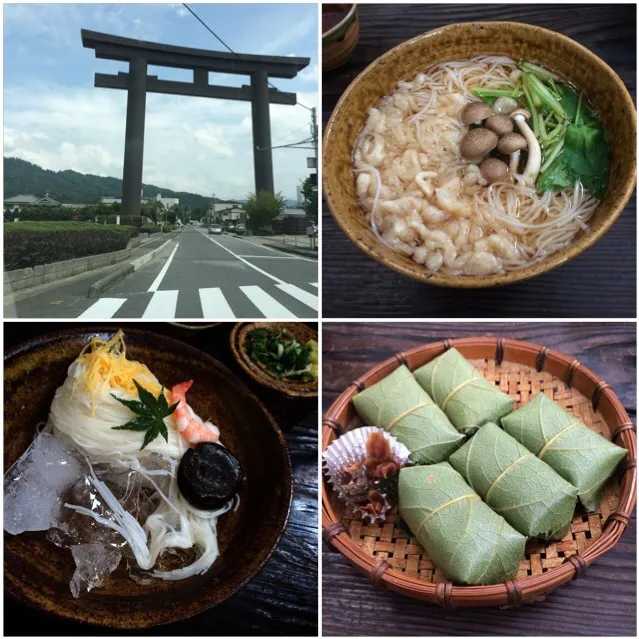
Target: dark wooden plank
603	603
282	598
600	283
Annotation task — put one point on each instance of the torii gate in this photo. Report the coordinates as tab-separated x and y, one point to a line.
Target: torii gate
140	54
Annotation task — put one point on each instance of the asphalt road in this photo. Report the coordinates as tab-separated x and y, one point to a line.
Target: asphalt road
197	276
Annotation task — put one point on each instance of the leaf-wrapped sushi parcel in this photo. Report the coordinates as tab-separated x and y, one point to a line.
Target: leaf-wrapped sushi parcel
525	491
577	453
462	392
402	407
469	543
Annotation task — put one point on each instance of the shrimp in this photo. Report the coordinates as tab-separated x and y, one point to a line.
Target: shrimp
193	429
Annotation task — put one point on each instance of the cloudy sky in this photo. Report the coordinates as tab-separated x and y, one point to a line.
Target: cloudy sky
54	117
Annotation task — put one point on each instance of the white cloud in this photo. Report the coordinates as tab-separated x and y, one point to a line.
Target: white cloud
191	144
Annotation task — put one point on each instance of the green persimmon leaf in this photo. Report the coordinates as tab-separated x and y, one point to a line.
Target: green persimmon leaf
459	389
580	455
399	404
469	543
526	492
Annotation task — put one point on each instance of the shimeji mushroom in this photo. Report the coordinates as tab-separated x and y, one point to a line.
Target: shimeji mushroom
511	144
475	113
530	173
499	124
477	143
493	170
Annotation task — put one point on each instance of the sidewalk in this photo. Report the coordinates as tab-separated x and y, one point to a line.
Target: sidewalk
285	243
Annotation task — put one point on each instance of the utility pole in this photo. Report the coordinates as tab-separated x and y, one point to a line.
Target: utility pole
314	133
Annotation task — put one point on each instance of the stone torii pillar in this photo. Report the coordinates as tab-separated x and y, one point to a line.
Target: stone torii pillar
140	54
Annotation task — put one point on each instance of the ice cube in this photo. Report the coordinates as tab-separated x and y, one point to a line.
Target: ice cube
93	563
34	484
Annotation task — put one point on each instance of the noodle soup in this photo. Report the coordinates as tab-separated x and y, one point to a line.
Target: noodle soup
480	166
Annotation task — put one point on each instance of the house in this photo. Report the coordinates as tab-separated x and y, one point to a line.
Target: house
20	201
227	211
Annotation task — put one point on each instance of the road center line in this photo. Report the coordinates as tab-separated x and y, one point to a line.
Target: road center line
235	255
158	280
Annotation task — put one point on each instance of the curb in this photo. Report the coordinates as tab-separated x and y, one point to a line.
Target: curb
145	259
293	249
108	280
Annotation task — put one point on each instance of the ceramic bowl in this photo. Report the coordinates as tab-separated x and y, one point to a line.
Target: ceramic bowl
38	573
339	42
239	345
573	62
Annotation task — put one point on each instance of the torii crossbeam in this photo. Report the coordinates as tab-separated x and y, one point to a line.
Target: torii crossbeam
140	54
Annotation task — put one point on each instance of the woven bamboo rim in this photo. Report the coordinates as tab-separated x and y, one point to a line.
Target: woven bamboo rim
545	370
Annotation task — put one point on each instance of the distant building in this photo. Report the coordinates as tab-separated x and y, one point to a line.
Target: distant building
167	202
20	201
294	221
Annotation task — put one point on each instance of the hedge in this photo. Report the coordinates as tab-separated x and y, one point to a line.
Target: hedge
150	229
167	228
33	243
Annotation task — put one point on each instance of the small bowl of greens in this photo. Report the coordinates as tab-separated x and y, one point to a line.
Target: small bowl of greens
280	355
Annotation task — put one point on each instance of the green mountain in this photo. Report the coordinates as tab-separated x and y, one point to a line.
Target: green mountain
71	187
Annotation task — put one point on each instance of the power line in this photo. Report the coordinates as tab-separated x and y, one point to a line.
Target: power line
291	133
229	48
208	28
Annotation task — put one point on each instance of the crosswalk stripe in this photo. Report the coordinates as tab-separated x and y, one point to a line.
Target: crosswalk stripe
104	308
267	305
162	305
214	304
299	294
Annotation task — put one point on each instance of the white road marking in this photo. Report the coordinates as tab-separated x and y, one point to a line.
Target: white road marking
235	255
272	257
313	284
104	308
267	248
299	294
214	304
266	304
158	280
162	305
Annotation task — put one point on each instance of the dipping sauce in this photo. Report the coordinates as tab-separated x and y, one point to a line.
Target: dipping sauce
333	14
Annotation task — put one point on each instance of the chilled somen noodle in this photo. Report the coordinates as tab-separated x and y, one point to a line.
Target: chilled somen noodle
425	200
87	417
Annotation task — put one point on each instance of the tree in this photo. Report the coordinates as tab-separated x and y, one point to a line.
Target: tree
175	213
262	207
309	191
153	209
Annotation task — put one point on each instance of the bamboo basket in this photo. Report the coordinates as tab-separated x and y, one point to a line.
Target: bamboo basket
395	561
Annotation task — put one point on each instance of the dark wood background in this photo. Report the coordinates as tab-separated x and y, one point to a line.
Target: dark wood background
282	598
599	283
602	603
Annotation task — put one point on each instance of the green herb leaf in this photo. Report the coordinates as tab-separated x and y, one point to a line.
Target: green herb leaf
556	178
587	155
282	356
151	412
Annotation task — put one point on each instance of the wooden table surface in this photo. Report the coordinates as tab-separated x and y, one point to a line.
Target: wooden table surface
282	598
599	283
602	603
